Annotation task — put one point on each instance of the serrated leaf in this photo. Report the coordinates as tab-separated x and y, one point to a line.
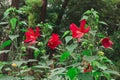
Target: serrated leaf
56	72
23	23
87	52
12	37
102	22
8	78
85	17
90	58
28	78
19	63
83	76
96	74
26	70
72	73
100	35
64	56
106	60
65	33
32	47
41	67
87	12
4	51
112	72
71	47
13	22
2	23
5	44
68	38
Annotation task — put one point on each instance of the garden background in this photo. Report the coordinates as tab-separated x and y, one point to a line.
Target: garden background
59	39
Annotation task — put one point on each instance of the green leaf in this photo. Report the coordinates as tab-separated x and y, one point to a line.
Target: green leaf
13	22
19	63
106	60
72	73
56	72
87	12
3	23
90	58
85	76
40	67
85	17
4	51
8	11
28	78
71	47
107	75
36	53
12	37
102	22
65	33
68	38
23	23
96	74
64	56
5	44
32	47
100	35
111	72
87	52
8	78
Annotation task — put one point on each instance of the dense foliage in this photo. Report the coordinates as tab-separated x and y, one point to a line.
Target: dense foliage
65	40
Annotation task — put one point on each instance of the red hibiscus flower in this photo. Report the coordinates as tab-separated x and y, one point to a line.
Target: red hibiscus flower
32	35
106	42
54	41
79	32
88	69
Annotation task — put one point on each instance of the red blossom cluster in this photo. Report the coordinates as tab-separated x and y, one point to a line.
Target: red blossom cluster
31	37
53	42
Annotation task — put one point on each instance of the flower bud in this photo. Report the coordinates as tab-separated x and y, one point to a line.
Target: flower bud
43	51
14	65
40	44
84	44
100	53
23	48
36	52
91	46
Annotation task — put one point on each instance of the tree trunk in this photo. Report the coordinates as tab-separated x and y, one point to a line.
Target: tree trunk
43	11
15	3
64	4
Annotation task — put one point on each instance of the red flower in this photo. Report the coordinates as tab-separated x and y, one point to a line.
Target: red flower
32	35
106	42
88	69
54	41
79	32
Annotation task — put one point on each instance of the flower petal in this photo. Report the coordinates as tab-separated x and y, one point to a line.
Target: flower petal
37	31
87	29
73	27
82	24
